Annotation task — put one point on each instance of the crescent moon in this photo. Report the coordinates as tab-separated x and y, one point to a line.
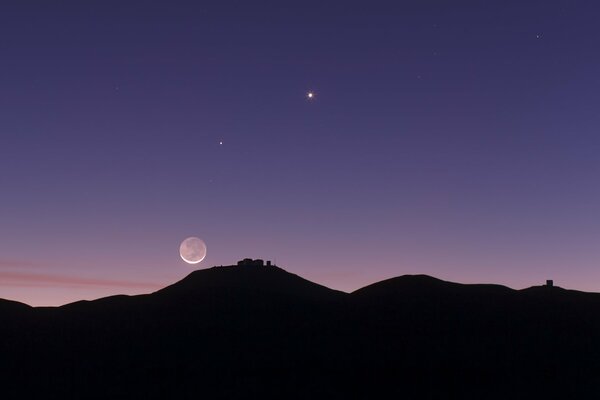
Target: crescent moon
192	250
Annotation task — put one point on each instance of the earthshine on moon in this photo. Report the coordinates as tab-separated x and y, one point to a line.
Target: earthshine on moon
192	250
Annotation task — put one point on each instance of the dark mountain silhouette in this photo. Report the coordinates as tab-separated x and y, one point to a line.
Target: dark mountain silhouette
9	306
234	280
250	332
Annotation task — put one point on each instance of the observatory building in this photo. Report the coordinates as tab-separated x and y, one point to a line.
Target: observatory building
248	262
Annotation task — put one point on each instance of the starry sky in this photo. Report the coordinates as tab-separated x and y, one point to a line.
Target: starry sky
456	139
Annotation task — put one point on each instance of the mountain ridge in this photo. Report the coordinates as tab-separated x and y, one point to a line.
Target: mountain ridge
253	331
228	277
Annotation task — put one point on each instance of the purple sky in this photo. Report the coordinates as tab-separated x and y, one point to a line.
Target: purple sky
456	139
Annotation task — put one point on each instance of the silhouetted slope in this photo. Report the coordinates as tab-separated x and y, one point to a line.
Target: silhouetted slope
9	307
13	319
536	339
224	281
423	286
250	332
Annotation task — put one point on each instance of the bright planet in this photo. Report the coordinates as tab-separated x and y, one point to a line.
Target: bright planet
192	250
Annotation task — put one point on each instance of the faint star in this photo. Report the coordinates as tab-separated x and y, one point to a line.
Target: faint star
310	95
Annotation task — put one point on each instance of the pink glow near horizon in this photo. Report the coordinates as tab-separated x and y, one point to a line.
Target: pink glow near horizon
35	279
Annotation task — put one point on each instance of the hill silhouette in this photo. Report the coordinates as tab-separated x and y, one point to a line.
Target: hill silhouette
260	331
225	281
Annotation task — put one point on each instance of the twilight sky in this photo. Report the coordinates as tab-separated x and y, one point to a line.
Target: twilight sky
456	139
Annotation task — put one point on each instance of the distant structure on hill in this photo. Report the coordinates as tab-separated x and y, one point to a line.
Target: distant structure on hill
248	262
549	283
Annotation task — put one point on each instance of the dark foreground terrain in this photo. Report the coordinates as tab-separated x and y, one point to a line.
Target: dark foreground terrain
251	332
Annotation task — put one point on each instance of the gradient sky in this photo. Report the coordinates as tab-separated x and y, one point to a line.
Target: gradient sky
456	139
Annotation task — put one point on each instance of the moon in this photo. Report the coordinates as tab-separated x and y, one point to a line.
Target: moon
192	250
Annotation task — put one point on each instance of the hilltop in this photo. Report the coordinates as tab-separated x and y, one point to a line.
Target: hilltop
256	331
